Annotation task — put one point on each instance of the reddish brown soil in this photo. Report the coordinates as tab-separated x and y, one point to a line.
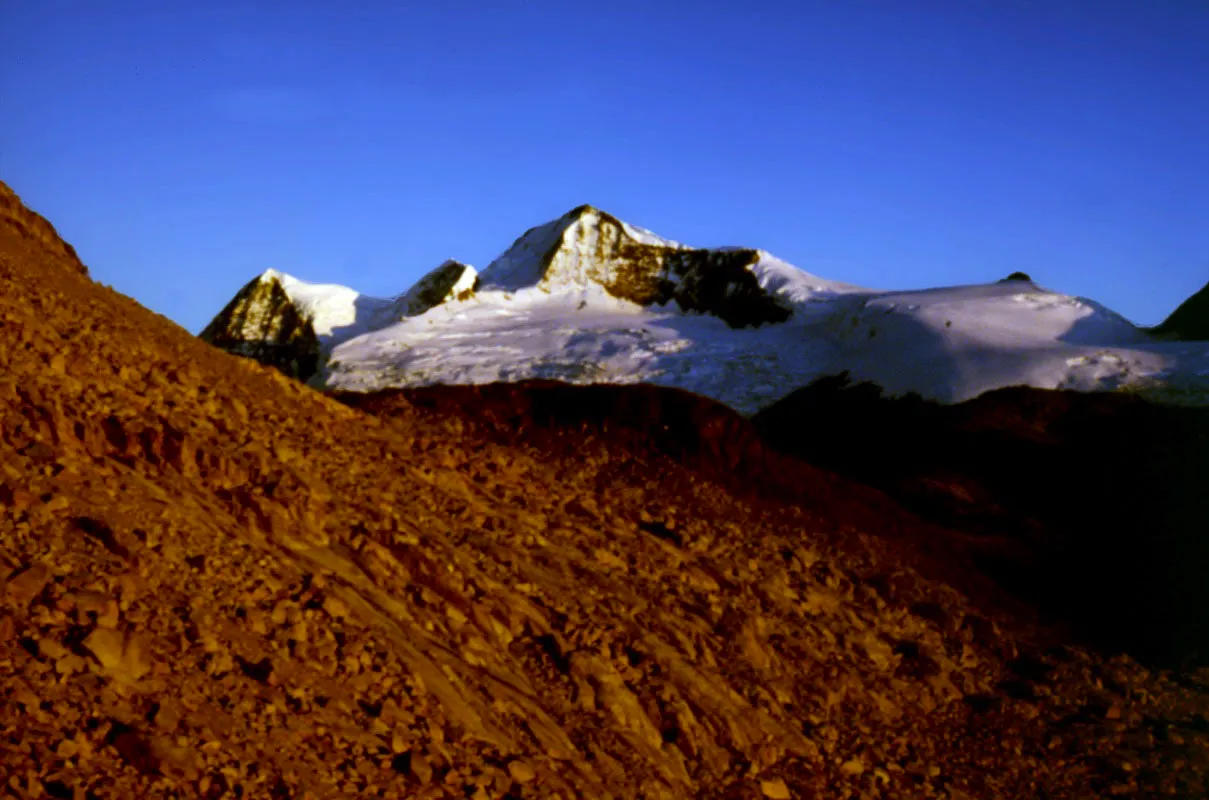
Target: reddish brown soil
216	582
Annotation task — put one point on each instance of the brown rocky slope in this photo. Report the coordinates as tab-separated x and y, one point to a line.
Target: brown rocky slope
216	582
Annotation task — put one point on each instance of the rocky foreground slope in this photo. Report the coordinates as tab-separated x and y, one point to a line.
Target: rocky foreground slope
217	582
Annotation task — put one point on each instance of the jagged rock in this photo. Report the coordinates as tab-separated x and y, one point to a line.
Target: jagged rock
415	765
775	789
124	656
521	772
27	584
167	715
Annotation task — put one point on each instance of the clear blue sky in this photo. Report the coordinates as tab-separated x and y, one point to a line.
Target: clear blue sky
184	147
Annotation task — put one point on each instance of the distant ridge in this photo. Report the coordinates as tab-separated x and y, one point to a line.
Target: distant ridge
590	298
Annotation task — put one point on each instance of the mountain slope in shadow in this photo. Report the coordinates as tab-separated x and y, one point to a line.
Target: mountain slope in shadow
1091	505
1190	321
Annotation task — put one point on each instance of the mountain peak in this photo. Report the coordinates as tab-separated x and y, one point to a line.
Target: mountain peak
1190	321
583	248
1017	277
584	210
264	322
451	280
588	249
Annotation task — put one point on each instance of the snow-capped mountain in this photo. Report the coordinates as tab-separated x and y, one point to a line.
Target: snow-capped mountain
589	298
293	325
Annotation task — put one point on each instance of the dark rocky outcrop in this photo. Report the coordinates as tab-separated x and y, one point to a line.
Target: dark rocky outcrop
447	282
1190	321
719	282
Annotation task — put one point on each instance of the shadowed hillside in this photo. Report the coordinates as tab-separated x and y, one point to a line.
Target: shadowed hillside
1092	505
1190	321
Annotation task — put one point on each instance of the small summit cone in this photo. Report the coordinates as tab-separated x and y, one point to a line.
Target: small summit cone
583	247
452	280
1017	276
262	322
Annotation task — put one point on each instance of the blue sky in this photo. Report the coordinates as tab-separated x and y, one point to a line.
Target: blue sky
184	147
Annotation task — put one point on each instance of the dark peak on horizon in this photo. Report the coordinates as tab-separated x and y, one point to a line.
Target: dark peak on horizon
1190	320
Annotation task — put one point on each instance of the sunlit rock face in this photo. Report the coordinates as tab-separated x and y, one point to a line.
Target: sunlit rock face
588	246
263	322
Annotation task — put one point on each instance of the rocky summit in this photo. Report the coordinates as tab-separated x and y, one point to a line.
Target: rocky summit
589	248
218	582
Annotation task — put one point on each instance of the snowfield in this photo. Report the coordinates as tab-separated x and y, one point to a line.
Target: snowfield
549	308
584	337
